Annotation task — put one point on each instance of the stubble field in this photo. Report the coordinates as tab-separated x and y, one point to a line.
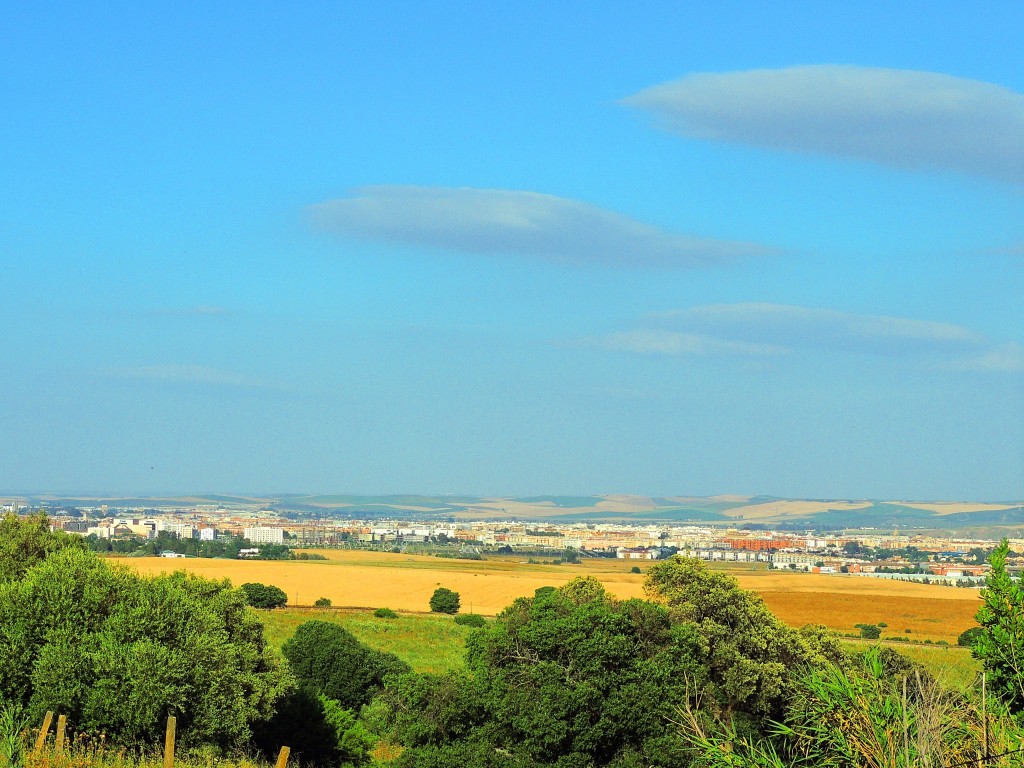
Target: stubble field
363	579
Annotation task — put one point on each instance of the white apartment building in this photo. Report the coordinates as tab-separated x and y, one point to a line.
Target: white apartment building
264	535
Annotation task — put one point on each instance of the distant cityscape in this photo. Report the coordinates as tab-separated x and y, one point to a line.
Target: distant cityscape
930	558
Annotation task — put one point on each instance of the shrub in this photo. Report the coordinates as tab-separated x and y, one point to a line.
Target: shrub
635	569
385	613
471	620
969	637
328	660
263	595
870	631
881	624
118	652
323	602
444	600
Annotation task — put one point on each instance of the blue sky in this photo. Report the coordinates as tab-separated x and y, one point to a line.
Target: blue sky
763	248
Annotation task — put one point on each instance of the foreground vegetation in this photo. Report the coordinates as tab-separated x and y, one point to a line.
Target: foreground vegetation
697	673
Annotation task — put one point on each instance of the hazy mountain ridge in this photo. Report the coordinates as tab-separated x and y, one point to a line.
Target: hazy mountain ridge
610	508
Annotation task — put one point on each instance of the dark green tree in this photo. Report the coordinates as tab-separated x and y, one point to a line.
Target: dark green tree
569	677
747	652
1000	644
870	631
118	652
264	595
328	660
969	637
319	731
444	600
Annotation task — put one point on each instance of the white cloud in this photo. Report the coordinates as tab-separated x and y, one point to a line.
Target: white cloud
902	118
494	221
810	328
760	331
1001	358
664	342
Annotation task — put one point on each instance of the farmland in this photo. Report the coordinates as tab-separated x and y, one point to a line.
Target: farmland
360	579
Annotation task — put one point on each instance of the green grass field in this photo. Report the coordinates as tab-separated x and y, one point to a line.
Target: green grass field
427	642
435	643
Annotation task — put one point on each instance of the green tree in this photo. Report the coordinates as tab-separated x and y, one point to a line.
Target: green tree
569	677
264	595
969	637
25	542
319	731
746	650
328	660
1000	644
444	600
118	652
870	631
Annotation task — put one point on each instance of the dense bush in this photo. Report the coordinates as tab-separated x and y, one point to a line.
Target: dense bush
328	660
323	602
118	652
870	631
264	595
385	613
444	600
969	637
319	731
23	543
471	620
572	677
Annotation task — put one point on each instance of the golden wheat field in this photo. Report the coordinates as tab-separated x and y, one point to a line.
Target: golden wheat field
405	583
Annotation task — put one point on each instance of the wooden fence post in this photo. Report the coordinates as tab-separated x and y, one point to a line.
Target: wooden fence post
62	723
172	725
282	757
44	732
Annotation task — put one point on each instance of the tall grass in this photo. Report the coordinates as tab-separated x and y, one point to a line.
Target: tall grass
843	717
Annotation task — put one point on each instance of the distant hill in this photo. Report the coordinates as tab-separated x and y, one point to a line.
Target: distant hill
739	511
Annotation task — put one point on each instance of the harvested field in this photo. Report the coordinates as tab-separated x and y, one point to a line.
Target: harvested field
951	508
405	582
780	509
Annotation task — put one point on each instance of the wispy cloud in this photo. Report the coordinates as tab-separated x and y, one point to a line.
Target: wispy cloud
758	330
188	374
202	310
902	118
495	221
667	342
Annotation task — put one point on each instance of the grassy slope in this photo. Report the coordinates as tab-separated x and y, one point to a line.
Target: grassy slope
428	642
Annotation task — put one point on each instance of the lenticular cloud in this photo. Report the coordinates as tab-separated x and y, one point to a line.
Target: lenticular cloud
900	118
499	221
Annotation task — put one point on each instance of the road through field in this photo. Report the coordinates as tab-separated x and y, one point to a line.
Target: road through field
405	582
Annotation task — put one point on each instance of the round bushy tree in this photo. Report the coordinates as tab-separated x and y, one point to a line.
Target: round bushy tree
25	542
118	652
969	637
264	595
746	650
329	660
444	600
